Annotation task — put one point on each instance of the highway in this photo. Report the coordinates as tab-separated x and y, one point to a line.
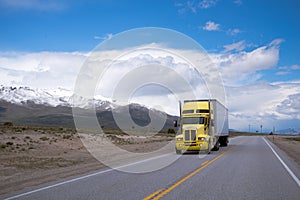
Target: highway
249	168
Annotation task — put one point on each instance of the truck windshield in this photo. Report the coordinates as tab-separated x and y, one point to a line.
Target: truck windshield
193	120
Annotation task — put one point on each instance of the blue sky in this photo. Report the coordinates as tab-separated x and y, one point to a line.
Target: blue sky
36	25
231	31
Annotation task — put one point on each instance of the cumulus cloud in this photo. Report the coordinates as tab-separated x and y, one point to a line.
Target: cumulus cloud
290	106
211	26
162	70
250	101
236	68
42	69
263	103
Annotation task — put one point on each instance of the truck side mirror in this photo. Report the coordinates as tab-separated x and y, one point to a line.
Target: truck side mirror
175	123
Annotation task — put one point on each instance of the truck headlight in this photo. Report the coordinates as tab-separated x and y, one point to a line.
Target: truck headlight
202	139
179	139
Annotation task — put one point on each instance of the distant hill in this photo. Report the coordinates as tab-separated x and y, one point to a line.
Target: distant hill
290	131
31	113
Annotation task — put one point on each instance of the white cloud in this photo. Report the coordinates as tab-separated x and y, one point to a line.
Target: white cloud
263	103
276	42
243	67
249	101
280	73
106	37
49	70
211	26
204	4
287	69
234	31
40	70
154	67
238	46
290	106
42	5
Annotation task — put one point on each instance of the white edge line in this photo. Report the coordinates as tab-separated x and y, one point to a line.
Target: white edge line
285	166
84	177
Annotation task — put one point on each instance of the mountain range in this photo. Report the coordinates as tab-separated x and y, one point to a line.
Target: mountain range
291	131
27	106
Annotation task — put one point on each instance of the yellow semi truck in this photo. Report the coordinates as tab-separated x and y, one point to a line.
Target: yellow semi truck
203	126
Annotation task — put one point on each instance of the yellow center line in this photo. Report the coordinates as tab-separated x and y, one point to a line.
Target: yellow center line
204	163
162	192
153	194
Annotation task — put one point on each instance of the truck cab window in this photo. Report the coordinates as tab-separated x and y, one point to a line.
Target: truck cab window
193	120
187	111
202	111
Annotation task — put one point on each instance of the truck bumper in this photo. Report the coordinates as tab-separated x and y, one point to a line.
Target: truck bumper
191	146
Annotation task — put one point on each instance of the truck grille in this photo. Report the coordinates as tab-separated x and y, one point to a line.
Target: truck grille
190	135
193	134
187	135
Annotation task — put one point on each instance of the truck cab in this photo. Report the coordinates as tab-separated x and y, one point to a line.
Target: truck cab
195	123
198	128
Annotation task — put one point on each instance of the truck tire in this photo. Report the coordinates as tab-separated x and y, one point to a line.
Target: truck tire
216	147
179	152
224	141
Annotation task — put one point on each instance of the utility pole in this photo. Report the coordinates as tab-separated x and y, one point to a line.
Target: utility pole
261	128
249	128
273	134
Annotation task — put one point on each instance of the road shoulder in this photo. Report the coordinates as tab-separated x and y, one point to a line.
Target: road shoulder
286	153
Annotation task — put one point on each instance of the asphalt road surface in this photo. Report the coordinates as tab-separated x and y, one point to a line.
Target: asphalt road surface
249	168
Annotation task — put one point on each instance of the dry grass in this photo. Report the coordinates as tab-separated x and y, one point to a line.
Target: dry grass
35	155
289	144
235	134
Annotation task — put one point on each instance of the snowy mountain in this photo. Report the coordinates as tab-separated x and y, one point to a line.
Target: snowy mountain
24	95
27	106
56	97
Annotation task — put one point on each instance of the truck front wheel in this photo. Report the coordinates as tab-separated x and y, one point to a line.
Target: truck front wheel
216	147
178	151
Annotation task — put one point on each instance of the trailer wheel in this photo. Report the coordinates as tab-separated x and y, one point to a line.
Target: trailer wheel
223	141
